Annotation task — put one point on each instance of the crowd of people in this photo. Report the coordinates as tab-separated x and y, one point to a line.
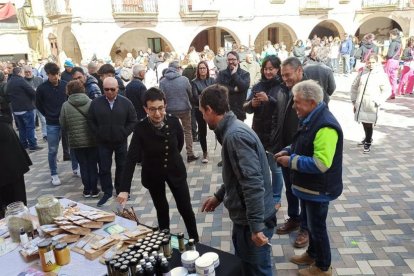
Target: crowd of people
167	101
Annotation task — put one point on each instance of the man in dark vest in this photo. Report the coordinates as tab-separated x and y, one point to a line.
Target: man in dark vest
315	162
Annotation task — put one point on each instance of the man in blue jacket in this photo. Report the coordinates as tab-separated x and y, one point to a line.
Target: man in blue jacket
315	162
90	82
345	51
247	189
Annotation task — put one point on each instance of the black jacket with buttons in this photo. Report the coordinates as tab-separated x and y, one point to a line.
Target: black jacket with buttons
159	152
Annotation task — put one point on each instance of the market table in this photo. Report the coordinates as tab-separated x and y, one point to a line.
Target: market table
13	264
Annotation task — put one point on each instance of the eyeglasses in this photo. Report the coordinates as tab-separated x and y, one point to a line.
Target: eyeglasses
231	59
112	89
153	110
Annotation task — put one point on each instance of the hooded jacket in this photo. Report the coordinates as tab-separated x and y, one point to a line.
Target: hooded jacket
394	50
177	91
365	49
92	87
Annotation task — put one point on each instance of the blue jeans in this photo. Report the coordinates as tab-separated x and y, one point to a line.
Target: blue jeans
255	260
26	125
53	138
319	247
292	200
277	178
88	164
105	164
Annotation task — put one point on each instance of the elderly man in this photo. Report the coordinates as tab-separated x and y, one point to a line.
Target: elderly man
247	188
251	66
90	82
135	90
315	161
112	118
178	93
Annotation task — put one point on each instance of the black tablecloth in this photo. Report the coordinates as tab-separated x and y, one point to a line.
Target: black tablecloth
229	263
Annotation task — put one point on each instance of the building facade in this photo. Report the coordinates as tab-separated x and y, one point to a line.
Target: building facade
80	29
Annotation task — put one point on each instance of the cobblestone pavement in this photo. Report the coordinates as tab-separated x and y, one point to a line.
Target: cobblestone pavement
370	226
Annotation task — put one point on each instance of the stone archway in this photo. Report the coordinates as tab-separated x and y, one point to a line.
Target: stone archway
327	28
214	37
379	26
275	33
70	46
133	41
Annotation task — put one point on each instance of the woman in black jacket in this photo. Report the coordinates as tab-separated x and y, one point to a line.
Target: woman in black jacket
198	84
262	103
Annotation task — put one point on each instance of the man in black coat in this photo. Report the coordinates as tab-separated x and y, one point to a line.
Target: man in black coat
237	81
135	90
22	97
159	139
112	118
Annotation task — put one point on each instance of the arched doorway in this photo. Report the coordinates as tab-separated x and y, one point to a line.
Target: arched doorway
327	28
136	40
275	33
70	46
214	37
379	26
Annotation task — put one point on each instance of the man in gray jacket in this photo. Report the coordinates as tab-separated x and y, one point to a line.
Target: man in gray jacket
247	188
178	93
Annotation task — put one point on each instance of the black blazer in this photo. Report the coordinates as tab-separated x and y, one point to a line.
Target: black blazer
159	152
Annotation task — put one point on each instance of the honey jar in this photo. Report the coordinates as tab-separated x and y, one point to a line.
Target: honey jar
62	254
47	258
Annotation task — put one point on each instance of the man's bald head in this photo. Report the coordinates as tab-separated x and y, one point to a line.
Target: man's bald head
110	87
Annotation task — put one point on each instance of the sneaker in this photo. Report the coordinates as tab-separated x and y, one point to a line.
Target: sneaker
205	158
56	180
367	147
363	142
314	270
77	172
95	194
192	158
35	149
103	200
86	194
303	259
290	225
302	239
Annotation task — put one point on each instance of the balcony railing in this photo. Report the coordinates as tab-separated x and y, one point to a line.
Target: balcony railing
198	9
384	4
130	7
315	6
57	8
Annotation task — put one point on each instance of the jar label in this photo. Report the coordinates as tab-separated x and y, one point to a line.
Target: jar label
49	258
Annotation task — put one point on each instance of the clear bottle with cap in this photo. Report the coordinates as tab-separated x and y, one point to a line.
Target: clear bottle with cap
24	239
181	244
166	247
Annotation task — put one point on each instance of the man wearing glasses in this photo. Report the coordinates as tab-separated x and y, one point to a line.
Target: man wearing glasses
112	118
158	140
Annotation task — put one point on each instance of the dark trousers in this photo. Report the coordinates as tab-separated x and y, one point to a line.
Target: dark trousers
105	164
319	247
368	129
88	163
26	125
181	195
202	129
292	200
194	123
65	145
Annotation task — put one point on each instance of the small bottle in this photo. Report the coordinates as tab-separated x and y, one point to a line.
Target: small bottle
123	270
133	266
181	245
133	252
24	239
131	247
166	246
149	270
139	271
112	264
152	261
120	260
142	262
117	267
126	262
138	256
165	268
166	231
191	244
108	267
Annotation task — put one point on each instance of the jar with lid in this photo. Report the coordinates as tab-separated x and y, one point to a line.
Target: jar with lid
47	258
62	254
47	208
18	217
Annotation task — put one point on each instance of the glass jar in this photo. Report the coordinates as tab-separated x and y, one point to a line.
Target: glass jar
18	217
47	257
62	254
48	208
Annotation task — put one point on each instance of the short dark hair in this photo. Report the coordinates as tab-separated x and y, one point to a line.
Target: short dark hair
154	94
52	68
275	61
74	87
106	69
215	96
77	69
234	53
198	71
17	70
294	62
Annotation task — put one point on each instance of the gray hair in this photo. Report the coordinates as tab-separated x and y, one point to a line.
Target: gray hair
293	62
138	68
309	90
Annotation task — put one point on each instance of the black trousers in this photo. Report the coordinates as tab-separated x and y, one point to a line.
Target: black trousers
202	130
182	198
368	129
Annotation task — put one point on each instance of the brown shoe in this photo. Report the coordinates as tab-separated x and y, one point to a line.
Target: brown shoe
303	259
289	226
302	240
315	271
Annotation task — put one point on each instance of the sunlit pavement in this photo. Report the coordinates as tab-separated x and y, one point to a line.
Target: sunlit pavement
370	225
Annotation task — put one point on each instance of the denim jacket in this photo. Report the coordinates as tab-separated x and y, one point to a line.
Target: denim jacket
247	188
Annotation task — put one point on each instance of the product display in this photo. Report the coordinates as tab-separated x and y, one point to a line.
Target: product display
18	217
47	209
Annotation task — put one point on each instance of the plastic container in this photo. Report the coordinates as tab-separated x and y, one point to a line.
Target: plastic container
18	217
179	271
48	208
188	259
204	266
213	256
